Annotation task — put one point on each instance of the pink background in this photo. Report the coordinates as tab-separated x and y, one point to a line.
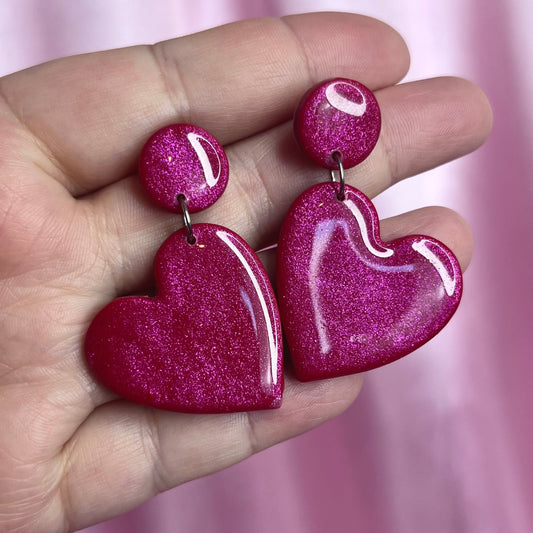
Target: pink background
442	440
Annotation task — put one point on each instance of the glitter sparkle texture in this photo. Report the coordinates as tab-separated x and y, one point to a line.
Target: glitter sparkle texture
338	115
350	302
209	342
183	159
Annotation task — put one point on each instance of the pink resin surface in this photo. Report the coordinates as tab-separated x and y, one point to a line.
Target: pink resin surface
209	342
338	115
350	302
183	159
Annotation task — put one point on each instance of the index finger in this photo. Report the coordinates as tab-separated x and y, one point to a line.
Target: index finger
92	113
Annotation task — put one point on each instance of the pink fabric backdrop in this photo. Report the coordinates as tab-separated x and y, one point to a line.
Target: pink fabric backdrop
441	441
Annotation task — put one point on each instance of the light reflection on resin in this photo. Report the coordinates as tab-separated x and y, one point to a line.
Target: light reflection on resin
208	342
350	302
342	103
272	345
182	159
207	166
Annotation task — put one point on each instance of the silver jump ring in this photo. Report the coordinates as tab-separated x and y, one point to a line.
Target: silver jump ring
338	159
191	239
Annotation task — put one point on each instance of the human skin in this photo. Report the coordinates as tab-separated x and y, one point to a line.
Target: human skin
76	231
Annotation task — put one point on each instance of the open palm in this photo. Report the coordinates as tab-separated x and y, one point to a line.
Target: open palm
76	231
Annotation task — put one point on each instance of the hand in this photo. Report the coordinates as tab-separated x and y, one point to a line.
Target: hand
76	231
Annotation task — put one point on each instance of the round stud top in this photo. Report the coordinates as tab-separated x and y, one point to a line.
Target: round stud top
182	159
338	115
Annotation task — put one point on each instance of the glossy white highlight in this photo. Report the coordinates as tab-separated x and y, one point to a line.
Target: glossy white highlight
210	178
227	239
321	239
449	282
245	297
344	104
384	252
320	244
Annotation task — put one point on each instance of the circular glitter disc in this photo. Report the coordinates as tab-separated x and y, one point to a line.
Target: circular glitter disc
338	115
182	159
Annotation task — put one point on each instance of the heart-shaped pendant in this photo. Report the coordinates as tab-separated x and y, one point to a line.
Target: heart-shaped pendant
209	342
350	302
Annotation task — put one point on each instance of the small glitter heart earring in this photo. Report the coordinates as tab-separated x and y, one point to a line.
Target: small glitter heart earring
350	302
210	341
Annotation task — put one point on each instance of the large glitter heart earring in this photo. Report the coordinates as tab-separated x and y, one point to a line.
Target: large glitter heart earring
350	302
210	341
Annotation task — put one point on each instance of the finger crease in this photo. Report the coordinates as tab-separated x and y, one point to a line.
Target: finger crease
41	145
166	65
311	74
152	448
390	157
258	198
251	434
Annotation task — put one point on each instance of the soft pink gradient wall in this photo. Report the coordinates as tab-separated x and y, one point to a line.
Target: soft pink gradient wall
441	441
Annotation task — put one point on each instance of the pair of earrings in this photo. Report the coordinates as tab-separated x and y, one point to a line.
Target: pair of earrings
211	340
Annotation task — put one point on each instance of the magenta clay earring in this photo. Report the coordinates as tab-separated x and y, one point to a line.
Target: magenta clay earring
350	302
210	341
